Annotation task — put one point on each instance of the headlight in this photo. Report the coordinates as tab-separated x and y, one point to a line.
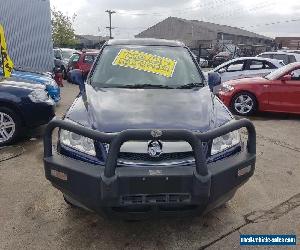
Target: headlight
77	142
226	87
52	83
225	142
39	95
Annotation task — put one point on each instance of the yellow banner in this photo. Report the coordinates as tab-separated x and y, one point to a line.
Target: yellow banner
145	62
6	61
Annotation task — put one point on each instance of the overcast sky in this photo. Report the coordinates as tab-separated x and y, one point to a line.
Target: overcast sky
267	17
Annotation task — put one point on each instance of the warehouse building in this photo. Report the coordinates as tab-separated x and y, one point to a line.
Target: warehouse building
198	33
90	41
27	25
292	43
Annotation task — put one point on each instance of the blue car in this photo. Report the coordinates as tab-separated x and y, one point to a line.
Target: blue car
39	78
147	135
22	105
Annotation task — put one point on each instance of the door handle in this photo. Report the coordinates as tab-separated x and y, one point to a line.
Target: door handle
266	86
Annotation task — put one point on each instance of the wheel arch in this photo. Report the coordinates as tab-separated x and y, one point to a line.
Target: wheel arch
14	108
245	91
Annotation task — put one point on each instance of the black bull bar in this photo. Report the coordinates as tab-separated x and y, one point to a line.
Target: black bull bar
204	178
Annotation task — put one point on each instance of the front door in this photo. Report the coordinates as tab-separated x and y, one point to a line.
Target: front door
284	96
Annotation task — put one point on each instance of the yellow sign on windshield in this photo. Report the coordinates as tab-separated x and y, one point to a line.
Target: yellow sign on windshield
6	61
145	62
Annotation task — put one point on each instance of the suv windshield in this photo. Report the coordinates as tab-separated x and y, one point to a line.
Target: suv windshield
146	66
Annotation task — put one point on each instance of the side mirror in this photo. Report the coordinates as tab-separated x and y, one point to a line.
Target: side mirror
286	78
221	71
77	77
214	80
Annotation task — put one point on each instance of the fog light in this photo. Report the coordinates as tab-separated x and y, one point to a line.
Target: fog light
244	171
59	175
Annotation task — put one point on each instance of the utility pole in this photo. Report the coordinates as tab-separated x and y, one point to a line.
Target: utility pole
110	12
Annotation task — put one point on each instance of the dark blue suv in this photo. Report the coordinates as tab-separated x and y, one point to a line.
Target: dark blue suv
147	134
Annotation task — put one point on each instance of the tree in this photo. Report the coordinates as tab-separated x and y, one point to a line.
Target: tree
63	33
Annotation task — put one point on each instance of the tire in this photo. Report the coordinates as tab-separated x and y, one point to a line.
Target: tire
69	202
10	126
73	203
244	104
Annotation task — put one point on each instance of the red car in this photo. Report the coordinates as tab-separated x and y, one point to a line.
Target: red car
278	91
82	60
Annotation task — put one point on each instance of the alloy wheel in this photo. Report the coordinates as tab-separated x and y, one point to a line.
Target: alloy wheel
243	104
7	127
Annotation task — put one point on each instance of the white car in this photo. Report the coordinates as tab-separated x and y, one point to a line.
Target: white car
243	67
286	57
203	63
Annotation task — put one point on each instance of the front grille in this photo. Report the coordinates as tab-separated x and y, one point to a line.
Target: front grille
155	199
162	157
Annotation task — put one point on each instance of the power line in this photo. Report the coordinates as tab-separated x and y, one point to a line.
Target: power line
211	4
110	12
274	23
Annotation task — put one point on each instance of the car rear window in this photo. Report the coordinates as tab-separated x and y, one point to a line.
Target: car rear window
283	57
89	59
75	58
292	59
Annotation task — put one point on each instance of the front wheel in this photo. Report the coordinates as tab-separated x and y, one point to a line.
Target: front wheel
244	104
9	126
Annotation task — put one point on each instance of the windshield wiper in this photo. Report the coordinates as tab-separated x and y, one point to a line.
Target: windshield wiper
144	86
191	85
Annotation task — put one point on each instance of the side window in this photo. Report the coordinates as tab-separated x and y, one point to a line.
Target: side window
89	59
236	66
282	57
295	75
75	58
268	65
255	65
292	59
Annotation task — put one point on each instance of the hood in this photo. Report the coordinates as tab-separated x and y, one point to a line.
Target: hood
18	83
116	109
34	77
253	80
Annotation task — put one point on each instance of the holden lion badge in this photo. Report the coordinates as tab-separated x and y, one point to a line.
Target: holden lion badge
155	148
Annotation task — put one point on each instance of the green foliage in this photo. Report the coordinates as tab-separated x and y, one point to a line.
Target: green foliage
63	33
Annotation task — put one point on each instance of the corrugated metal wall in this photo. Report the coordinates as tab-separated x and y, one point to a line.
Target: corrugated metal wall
27	25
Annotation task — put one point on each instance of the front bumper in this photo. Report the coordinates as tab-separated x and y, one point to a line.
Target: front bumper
138	192
36	114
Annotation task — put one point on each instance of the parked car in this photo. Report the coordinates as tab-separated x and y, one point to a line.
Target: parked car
220	58
22	105
286	57
247	67
202	62
181	150
83	61
37	78
279	91
206	54
61	59
296	51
